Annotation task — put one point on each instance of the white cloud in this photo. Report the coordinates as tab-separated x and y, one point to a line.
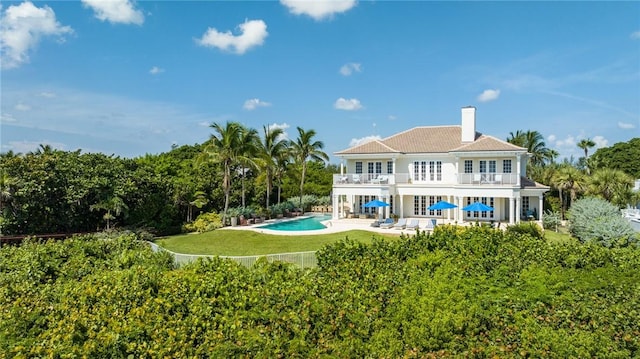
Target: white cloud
635	35
48	94
488	95
318	10
348	69
283	126
156	70
625	125
6	118
551	138
204	124
254	103
392	117
600	142
359	141
568	142
252	33
347	105
21	28
22	107
115	11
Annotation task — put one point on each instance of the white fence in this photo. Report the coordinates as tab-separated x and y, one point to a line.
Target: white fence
301	259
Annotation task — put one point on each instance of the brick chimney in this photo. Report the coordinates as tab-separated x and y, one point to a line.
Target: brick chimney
468	124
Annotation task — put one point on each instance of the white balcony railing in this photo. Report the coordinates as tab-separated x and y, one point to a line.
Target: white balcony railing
487	178
495	179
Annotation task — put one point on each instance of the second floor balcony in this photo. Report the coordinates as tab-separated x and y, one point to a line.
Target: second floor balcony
480	179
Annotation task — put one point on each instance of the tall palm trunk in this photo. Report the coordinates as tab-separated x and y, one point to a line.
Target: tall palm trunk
304	171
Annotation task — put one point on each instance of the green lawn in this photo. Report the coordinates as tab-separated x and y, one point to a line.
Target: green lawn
245	243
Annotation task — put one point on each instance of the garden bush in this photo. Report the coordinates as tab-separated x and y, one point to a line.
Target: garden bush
456	292
551	220
530	228
204	223
594	219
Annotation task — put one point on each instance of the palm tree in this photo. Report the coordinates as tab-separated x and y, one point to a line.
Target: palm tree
612	185
303	148
569	179
533	141
586	144
199	200
249	142
271	149
224	148
113	204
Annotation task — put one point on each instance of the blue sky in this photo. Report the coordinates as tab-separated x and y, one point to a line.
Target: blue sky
130	78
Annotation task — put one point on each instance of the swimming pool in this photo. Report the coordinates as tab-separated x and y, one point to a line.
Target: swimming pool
302	224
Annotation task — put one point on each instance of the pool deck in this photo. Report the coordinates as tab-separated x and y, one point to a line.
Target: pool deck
333	226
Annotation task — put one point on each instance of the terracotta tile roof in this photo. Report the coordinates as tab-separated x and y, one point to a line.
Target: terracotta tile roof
488	143
430	139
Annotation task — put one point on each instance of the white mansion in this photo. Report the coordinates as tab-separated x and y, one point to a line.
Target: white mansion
416	168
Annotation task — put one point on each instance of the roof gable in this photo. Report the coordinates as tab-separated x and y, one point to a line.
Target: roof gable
370	147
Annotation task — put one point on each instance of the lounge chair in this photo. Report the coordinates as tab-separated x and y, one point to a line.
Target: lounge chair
431	225
388	223
402	222
380	179
413	224
356	178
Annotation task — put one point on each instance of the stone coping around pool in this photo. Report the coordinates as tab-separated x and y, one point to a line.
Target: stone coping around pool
333	226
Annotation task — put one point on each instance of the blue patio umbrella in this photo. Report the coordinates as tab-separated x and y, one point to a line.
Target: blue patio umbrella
441	205
477	207
375	203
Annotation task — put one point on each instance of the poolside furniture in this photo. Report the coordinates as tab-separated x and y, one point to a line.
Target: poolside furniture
431	225
380	223
355	178
413	224
402	222
344	179
388	223
477	178
497	179
380	179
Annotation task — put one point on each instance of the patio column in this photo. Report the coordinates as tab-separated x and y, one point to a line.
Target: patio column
335	206
518	157
517	216
540	207
342	168
401	206
511	209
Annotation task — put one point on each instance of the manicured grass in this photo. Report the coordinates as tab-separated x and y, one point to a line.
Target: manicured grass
561	236
245	243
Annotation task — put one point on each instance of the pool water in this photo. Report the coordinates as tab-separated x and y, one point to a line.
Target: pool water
302	224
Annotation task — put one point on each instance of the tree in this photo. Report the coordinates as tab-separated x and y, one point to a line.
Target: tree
271	150
247	152
113	204
304	148
533	141
612	185
586	144
568	179
226	147
620	156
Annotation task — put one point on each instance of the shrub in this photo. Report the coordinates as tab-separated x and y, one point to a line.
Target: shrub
551	220
529	228
204	223
308	200
594	219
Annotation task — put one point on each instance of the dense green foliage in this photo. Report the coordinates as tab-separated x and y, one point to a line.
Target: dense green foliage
52	191
457	292
596	220
623	156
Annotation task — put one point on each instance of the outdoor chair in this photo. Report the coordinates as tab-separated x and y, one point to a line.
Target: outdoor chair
413	224
388	223
402	222
356	178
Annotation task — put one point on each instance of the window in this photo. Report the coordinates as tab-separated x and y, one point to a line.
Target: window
378	167
433	200
525	206
370	167
435	170
483	166
358	167
389	167
506	166
468	166
419	205
420	170
492	166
